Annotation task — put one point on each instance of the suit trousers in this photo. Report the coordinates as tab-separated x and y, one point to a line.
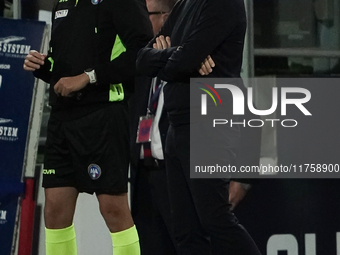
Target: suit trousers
151	210
202	220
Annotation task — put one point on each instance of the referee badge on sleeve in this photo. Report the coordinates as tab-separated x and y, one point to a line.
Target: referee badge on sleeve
94	171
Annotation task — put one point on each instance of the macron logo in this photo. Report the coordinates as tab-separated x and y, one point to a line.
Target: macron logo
48	171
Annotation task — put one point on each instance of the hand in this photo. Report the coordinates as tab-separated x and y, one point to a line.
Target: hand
206	66
67	85
236	193
162	43
34	60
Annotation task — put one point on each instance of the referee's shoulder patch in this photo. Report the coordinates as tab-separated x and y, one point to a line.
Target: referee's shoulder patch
61	14
94	171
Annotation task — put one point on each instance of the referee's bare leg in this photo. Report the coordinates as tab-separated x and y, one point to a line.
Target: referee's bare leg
116	213
60	206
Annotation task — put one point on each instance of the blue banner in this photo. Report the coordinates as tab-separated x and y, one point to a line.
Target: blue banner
17	38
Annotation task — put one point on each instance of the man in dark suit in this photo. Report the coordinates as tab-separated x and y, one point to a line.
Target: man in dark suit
149	195
202	220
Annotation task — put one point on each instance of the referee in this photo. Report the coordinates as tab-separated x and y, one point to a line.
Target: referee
90	67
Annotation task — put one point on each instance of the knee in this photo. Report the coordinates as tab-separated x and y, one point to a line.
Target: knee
115	211
111	211
52	209
57	217
60	204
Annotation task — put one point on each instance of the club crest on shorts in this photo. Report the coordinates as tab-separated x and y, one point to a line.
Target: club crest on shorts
94	171
95	2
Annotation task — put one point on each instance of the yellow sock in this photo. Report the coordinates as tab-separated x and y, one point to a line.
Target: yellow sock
61	241
126	242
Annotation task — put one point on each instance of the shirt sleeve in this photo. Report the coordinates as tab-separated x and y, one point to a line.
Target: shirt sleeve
45	71
149	60
134	28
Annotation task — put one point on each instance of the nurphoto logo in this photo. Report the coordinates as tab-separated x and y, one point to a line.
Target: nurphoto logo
238	100
238	104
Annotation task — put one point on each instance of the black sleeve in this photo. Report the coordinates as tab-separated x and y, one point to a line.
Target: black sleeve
45	71
217	21
134	28
150	61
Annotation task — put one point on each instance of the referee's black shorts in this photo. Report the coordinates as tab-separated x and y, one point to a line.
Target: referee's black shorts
90	153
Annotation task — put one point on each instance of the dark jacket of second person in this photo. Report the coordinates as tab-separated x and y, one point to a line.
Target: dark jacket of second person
197	28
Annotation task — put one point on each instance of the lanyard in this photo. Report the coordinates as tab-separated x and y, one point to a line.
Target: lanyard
153	97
